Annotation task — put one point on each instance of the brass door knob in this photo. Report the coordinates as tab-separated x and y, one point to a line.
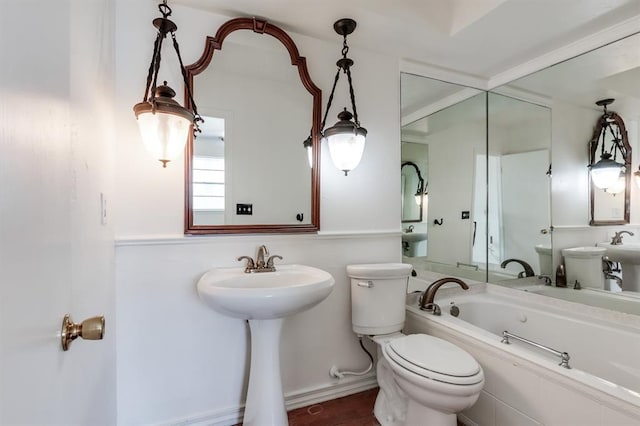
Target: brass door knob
89	329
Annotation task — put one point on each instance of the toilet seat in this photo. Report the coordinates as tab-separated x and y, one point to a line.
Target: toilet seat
434	359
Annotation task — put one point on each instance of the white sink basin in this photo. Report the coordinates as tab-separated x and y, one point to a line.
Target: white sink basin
264	299
264	295
414	237
625	252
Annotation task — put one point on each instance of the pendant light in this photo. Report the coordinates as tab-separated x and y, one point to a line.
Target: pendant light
606	172
346	138
165	124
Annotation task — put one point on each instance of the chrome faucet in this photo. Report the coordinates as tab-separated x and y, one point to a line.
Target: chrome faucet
608	269
616	240
426	300
260	265
528	270
262	252
546	278
409	229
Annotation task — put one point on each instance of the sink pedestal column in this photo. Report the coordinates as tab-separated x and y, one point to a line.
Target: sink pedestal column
265	400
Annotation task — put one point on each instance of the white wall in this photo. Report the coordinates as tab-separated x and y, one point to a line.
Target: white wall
178	360
453	151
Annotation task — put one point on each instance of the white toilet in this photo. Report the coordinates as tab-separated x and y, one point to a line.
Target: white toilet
423	380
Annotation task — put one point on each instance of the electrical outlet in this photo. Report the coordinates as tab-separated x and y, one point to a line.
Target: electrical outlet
244	209
465	214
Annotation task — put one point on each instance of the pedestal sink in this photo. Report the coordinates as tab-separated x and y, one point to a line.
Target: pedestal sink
264	299
628	254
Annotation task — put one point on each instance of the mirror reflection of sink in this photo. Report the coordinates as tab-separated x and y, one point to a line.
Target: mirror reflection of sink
413	237
625	252
264	299
628	254
264	295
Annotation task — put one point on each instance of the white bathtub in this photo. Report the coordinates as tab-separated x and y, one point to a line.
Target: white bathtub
525	385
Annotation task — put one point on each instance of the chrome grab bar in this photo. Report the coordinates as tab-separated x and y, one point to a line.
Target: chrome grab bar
470	265
564	356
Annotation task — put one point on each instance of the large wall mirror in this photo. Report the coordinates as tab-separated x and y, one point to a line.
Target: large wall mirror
514	162
570	90
444	135
248	172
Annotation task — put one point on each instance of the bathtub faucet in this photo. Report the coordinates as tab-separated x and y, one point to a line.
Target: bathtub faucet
616	240
528	270
426	300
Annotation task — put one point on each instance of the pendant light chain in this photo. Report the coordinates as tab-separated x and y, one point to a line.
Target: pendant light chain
347	70
333	90
198	118
152	66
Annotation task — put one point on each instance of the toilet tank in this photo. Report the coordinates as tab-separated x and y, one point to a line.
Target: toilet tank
378	294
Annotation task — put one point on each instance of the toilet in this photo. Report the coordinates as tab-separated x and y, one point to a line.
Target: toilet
423	380
584	265
544	259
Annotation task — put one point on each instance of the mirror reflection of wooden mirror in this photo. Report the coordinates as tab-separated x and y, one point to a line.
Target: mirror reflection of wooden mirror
248	171
413	192
610	142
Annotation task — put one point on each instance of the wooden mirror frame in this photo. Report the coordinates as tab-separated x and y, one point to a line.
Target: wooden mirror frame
593	147
215	43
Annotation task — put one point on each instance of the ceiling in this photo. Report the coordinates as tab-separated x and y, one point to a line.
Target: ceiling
480	38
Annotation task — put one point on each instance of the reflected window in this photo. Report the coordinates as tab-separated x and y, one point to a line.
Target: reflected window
208	183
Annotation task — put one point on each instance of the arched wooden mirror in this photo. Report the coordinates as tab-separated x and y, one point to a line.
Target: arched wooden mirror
610	142
248	172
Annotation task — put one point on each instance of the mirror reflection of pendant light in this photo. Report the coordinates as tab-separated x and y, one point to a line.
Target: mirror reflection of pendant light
606	172
618	186
308	145
346	138
165	124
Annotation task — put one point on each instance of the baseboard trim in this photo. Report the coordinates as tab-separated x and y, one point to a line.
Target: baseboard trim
301	398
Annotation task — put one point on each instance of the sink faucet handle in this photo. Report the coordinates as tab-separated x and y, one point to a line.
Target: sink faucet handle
250	265
270	260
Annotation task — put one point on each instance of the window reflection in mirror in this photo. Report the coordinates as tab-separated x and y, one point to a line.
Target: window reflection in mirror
209	174
444	132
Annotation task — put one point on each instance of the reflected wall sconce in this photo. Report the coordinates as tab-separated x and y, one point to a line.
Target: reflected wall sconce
346	138
636	176
165	124
606	172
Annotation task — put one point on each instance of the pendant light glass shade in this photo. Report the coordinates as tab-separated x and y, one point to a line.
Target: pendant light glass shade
346	142
308	146
605	173
619	185
164	125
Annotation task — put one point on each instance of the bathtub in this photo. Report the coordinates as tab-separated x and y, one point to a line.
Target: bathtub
526	385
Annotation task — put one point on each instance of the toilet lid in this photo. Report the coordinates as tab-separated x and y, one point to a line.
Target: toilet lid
435	358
